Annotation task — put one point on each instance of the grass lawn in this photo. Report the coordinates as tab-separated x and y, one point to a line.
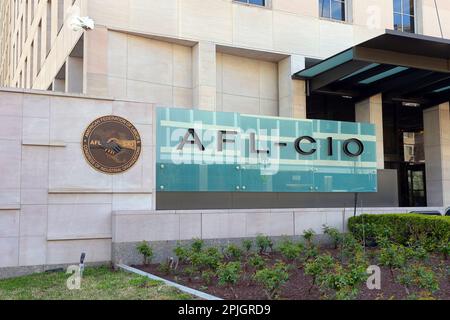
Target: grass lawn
97	284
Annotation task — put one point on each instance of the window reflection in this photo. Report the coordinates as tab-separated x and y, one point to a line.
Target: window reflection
413	143
332	9
255	2
404	15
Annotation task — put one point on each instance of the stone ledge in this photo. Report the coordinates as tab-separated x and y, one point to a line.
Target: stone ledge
349	210
9	207
55	144
53	93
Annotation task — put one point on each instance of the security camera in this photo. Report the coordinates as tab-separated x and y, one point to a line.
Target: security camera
77	23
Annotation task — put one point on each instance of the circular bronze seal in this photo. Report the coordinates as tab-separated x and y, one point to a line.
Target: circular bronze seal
111	144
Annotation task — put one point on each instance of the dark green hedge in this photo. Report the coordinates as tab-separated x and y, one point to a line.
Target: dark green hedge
402	228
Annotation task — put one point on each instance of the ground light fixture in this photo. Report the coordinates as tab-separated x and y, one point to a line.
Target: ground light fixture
82	258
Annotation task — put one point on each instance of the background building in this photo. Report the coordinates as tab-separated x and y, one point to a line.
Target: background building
39	41
242	56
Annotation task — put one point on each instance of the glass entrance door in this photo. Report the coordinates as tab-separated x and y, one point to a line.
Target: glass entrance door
417	194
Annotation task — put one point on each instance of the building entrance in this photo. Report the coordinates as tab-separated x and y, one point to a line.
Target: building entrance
417	193
404	151
412	185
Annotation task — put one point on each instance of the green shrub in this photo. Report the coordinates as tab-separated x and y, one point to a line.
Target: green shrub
317	267
290	250
257	262
310	252
272	279
334	234
190	272
343	281
198	257
352	249
197	245
393	256
164	267
247	244
444	248
146	250
208	258
207	276
182	253
418	252
418	277
229	273
264	243
397	256
309	235
402	229
232	251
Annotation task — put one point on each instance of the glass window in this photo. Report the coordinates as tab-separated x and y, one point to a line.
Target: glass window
255	2
413	143
333	9
404	15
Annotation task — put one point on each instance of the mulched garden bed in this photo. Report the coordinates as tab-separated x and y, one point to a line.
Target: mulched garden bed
299	285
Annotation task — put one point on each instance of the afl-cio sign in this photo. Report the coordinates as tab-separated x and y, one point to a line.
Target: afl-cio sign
111	144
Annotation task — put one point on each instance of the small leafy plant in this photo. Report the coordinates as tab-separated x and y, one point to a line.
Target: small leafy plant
209	258
229	273
418	253
247	244
233	252
419	277
317	267
164	267
352	249
444	248
309	235
272	279
181	252
393	256
197	245
207	276
257	262
190	272
333	234
290	250
264	243
342	282
146	251
310	252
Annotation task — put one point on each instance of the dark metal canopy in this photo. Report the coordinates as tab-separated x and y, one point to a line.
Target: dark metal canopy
404	67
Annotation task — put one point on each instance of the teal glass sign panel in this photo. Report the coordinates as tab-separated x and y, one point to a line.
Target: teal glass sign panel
202	151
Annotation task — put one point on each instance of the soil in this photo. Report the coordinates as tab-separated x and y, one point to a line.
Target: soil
299	286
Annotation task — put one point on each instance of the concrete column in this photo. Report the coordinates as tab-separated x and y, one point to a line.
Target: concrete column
371	111
74	75
292	93
204	76
437	154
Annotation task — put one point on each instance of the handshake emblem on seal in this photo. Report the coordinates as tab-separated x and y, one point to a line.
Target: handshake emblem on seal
115	146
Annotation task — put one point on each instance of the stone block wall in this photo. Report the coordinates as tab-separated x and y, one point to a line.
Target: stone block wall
53	205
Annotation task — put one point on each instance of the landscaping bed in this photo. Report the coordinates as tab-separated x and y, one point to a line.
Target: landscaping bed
297	288
302	270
